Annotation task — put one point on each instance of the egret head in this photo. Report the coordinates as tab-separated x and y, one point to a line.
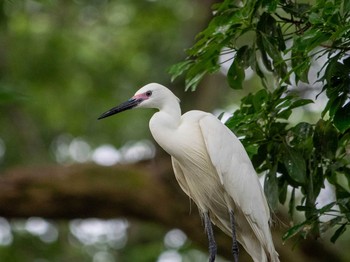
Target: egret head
149	96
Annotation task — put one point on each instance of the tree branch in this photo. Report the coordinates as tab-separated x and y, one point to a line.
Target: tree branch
145	191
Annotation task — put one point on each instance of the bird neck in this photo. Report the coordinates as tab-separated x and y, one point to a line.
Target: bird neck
165	123
171	112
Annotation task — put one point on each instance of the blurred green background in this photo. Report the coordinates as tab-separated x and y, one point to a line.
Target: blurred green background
62	64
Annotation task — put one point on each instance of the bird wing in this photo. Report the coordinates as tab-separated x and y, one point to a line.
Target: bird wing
180	177
236	173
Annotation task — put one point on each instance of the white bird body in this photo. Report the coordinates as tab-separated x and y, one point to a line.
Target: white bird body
213	169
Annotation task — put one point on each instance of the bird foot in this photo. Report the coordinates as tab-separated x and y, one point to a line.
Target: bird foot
210	233
235	248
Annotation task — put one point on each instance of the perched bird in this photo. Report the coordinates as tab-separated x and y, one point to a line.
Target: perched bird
212	168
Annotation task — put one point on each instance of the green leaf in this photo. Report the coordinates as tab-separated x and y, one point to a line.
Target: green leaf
282	189
270	42
303	208
294	230
271	188
270	4
260	157
244	56
346	7
236	75
297	9
294	163
300	65
285	113
330	224
291	204
311	39
315	18
338	232
272	50
277	129
300	138
301	102
335	105
342	118
259	99
266	61
338	79
326	208
317	180
280	39
325	139
342	193
193	80
179	68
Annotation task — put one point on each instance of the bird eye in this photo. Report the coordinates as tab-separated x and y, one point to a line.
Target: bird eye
148	93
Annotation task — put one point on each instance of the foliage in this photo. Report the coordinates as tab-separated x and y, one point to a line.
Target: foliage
283	38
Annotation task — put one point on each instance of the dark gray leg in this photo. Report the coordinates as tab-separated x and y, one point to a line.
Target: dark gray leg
235	249
209	230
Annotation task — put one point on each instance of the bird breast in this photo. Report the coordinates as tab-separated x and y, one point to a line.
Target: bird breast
186	145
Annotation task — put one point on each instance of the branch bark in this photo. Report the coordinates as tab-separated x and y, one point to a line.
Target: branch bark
144	191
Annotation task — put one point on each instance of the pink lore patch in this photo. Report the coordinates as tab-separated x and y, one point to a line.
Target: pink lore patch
142	96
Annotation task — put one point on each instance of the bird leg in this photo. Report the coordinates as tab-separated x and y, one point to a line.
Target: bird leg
210	234
235	249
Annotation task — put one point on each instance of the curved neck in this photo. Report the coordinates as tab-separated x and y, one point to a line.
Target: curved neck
172	111
165	123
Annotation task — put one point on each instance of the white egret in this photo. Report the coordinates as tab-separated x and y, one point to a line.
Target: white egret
212	168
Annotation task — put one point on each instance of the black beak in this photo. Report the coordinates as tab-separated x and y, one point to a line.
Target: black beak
131	103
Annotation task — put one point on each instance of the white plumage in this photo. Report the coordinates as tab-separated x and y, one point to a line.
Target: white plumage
212	168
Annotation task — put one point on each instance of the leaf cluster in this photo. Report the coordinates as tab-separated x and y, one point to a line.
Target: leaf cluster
295	157
284	37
